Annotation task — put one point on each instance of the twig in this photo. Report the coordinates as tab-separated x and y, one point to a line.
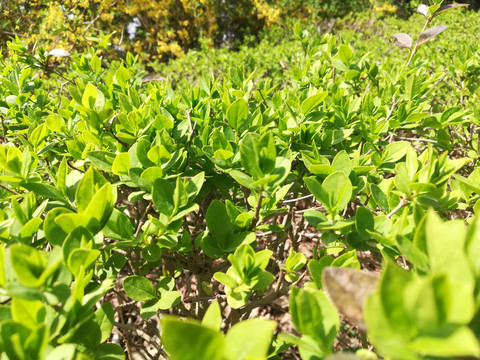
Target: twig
10	190
192	128
74	167
297	199
203	298
257	211
415	49
300	278
394	105
263	99
266	299
12	33
140	333
4	130
110	123
127	304
417	139
434	86
142	219
402	203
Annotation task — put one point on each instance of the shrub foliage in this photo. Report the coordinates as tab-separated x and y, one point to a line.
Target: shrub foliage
130	200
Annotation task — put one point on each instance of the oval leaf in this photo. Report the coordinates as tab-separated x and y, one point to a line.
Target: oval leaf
348	289
237	113
139	288
448	7
430	33
423	9
403	40
313	101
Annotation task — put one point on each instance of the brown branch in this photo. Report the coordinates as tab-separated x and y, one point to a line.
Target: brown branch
10	190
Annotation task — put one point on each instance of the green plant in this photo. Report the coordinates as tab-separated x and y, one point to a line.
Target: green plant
127	204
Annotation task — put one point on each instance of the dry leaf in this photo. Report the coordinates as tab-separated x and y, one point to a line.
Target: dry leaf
343	355
152	77
444	8
348	289
403	40
423	9
59	53
430	33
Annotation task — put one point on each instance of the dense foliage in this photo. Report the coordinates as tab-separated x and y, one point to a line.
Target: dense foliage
130	200
164	29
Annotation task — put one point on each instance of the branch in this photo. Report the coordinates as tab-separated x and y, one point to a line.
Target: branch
10	190
257	211
402	203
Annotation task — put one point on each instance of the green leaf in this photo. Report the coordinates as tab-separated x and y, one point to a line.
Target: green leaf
159	155
103	160
393	278
122	76
55	123
313	101
250	156
38	135
315	267
92	98
364	222
121	164
81	259
241	345
53	231
45	190
242	179
344	53
445	245
100	208
313	315
225	279
458	342
109	352
295	261
14	162
169	300
62	176
342	163
162	197
118	226
62	352
139	288
88	187
219	224
29	264
188	340
237	114
149	309
29	313
380	197
334	193
395	151
104	317
213	317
